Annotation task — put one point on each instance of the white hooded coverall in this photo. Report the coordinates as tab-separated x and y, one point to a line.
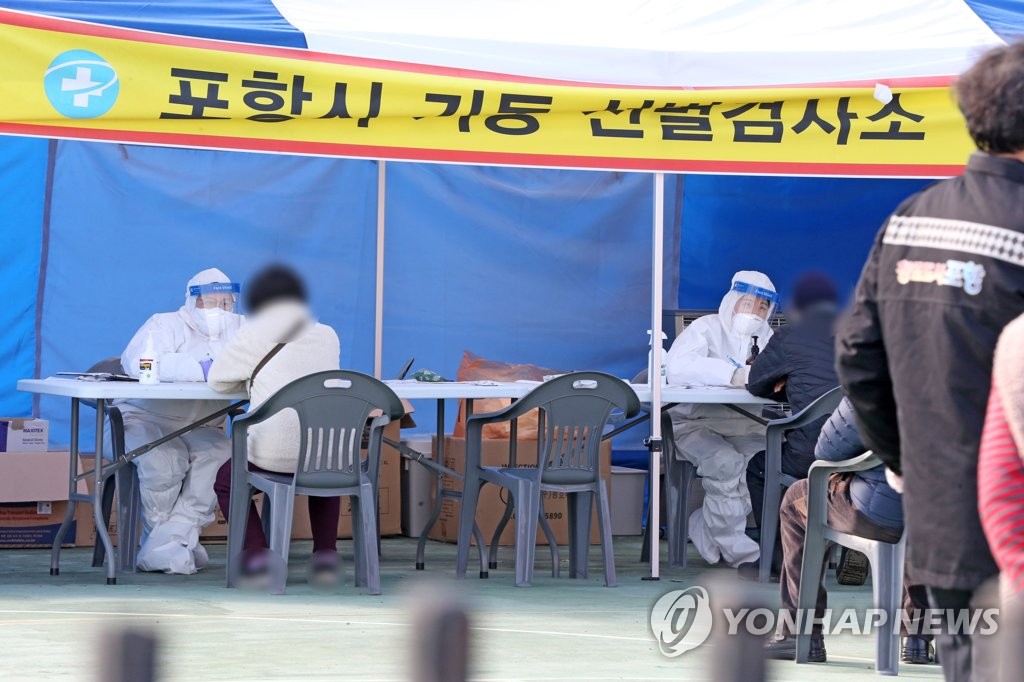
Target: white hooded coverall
177	477
717	440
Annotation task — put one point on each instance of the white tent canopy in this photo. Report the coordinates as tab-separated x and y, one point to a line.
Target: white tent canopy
665	43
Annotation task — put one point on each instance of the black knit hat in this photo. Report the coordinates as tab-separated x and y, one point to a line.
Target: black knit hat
274	283
814	288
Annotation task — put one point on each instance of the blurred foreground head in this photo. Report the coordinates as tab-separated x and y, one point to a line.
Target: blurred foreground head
273	284
991	96
813	289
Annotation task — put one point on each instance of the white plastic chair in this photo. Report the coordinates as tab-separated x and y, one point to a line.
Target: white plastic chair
886	560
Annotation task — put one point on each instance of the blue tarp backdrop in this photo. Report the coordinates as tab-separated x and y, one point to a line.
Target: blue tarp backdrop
781	226
22	192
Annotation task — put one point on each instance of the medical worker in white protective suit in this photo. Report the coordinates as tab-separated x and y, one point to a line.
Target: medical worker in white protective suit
713	351
177	477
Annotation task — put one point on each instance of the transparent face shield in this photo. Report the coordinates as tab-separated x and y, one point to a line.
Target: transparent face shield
210	305
754	308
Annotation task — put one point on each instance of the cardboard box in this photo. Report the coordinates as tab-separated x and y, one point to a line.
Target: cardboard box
24	434
491	504
388	500
628	491
35	476
33	524
33	498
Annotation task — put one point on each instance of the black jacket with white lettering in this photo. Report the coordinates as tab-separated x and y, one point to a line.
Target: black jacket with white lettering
946	273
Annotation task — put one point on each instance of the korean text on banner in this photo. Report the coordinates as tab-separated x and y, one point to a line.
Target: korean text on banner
79	80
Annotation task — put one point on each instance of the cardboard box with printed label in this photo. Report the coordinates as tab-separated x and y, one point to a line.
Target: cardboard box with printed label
24	434
388	500
33	498
491	503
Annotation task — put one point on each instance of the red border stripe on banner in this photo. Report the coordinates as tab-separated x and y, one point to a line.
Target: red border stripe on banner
471	157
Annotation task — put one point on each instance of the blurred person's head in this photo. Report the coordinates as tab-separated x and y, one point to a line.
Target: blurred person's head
812	291
274	283
991	96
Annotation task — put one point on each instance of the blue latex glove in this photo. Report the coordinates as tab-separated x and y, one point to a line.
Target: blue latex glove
205	364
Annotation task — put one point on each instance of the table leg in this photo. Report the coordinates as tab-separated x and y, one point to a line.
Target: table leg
435	514
506	516
97	498
72	491
481	544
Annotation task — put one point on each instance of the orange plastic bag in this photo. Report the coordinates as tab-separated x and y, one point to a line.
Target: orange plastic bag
475	368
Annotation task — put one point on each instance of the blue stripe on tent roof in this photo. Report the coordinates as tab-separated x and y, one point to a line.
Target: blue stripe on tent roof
246	21
1004	17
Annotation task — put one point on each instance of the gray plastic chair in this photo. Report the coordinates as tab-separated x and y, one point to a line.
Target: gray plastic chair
886	560
333	409
775	481
126	485
679	475
573	411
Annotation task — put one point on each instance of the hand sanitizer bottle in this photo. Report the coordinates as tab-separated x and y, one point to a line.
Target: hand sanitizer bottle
650	361
149	363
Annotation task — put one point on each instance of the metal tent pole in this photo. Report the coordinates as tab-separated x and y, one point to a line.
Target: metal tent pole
654	442
378	322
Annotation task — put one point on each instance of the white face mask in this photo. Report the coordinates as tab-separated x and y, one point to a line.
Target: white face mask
746	324
210	321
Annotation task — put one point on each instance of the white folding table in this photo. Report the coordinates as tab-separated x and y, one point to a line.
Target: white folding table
99	393
732	398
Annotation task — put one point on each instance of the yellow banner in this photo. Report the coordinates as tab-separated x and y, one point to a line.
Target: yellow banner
69	79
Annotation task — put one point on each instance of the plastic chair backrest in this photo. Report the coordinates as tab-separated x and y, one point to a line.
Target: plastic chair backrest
574	409
111	365
822	406
333	408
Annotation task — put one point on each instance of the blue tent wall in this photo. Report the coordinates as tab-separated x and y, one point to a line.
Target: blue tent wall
130	225
23	165
781	226
539	266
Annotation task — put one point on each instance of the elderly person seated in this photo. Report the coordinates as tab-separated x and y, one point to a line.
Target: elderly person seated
281	342
859	503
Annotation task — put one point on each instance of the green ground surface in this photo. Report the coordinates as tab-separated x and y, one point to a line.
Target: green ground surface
51	627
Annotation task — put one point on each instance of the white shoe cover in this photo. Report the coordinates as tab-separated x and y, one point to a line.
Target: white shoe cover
169	548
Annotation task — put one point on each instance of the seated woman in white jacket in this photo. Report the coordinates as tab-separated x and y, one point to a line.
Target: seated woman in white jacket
715	350
276	300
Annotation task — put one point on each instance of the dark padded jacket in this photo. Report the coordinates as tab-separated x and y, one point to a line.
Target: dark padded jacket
945	275
802	353
871	494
